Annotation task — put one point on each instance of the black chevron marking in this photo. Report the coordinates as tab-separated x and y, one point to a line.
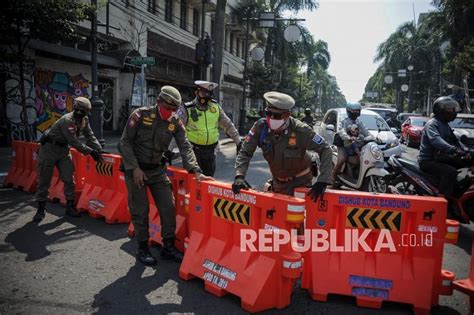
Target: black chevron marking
216	207
362	218
224	215
384	220
397	220
351	216
373	218
235	217
246	213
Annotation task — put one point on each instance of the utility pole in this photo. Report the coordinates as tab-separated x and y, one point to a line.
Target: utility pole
96	119
244	90
203	74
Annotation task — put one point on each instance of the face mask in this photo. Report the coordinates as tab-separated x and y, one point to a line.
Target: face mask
165	113
275	124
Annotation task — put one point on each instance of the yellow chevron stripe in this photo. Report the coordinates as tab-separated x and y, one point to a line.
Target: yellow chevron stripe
356	218
227	209
243	212
235	214
391	225
379	219
368	217
225	212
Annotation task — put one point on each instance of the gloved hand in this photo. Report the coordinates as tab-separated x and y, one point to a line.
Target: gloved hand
317	190
96	156
239	183
239	147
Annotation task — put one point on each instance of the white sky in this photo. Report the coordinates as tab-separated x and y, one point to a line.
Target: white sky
353	30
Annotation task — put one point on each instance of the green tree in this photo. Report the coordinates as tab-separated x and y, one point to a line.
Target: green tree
49	20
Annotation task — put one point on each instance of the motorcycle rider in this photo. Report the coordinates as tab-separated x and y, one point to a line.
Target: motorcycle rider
308	118
353	113
439	146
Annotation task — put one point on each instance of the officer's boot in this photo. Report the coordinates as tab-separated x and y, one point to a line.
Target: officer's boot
169	251
144	255
71	209
39	216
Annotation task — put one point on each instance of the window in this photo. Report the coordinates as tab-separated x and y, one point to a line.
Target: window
237	47
184	15
231	50
226	68
152	6
169	11
331	119
196	22
243	49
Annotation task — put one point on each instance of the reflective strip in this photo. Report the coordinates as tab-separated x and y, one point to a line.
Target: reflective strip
300	195
109	159
292	264
447	283
453	229
186	201
185	245
451	236
296	208
295	217
122	177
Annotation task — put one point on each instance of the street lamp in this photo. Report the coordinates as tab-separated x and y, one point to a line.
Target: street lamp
97	104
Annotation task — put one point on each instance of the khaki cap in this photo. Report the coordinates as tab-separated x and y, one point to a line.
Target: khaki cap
82	103
277	101
170	95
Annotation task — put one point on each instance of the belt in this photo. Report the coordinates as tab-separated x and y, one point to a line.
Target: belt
300	174
59	144
204	146
148	166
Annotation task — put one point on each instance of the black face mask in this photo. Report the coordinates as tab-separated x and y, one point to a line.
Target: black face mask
448	116
353	115
207	97
79	113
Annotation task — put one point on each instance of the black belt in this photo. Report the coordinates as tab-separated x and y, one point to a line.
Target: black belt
59	144
205	146
148	166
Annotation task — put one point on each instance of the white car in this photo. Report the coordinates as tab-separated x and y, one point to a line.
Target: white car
377	126
463	125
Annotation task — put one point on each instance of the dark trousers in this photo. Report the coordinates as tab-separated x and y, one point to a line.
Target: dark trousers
446	173
206	158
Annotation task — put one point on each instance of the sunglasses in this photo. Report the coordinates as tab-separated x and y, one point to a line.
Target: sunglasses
275	115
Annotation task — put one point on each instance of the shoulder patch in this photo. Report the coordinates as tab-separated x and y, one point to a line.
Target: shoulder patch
318	139
72	129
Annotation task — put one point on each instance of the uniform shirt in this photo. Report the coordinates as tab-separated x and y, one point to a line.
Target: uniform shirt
286	153
147	136
67	129
437	137
345	123
224	121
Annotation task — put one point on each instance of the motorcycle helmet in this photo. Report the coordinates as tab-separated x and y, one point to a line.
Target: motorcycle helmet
445	108
82	107
353	110
307	111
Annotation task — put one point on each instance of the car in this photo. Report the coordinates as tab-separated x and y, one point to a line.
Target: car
463	126
403	116
388	114
377	126
412	129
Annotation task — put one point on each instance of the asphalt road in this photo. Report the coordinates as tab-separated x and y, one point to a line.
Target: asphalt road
72	266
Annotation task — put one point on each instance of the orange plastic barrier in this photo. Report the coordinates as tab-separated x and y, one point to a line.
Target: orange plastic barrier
179	180
22	173
262	279
56	189
104	193
15	165
406	269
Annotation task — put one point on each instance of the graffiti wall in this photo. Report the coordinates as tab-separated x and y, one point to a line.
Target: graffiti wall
13	107
55	92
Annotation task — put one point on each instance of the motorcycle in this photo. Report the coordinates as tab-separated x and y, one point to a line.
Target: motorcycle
408	179
365	172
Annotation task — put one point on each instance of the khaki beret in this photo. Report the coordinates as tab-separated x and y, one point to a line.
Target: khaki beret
206	85
170	95
279	101
82	102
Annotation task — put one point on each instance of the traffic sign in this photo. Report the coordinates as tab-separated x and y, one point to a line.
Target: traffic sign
388	79
138	61
404	87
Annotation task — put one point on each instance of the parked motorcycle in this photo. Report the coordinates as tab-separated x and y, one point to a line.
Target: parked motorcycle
365	172
407	178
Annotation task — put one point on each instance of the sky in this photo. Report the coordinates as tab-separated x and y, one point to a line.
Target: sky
353	30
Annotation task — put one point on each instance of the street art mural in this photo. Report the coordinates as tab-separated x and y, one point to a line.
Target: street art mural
13	108
55	92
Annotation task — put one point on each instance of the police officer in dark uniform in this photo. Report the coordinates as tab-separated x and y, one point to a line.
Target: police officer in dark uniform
202	118
438	142
145	139
284	141
308	117
54	151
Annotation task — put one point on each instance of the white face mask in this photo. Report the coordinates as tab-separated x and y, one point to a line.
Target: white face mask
276	124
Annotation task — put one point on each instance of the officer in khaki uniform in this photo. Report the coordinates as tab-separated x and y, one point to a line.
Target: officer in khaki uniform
146	137
54	151
284	141
202	118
